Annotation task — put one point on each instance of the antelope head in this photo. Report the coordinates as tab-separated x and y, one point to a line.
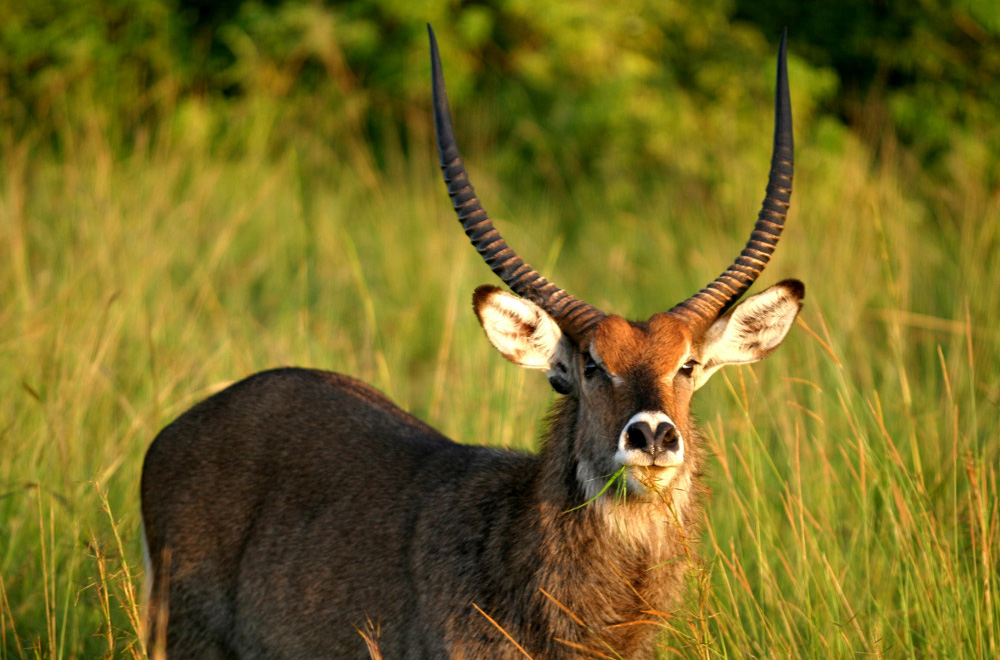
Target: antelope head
629	384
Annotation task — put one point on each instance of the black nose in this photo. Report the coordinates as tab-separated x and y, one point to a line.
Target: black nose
641	436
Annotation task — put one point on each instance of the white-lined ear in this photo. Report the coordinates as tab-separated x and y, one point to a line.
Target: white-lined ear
522	331
751	330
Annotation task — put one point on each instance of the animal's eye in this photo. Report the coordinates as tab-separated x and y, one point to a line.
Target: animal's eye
589	366
688	368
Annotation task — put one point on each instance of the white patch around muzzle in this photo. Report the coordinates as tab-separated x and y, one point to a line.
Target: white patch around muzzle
650	469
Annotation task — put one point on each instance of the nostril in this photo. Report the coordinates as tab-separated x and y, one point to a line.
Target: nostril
668	438
672	439
639	436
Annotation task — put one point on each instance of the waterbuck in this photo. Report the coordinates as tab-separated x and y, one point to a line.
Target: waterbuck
296	508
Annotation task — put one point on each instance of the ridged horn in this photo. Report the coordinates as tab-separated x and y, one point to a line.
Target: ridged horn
574	317
701	309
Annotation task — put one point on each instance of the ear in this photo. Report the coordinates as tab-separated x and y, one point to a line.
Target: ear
524	333
752	329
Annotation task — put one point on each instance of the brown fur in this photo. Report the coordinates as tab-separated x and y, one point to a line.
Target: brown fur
297	504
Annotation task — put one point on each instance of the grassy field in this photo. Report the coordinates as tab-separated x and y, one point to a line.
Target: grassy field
854	507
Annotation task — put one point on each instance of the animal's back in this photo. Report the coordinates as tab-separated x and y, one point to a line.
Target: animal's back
287	500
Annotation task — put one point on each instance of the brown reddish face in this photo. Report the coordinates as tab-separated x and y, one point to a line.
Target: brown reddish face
634	381
635	390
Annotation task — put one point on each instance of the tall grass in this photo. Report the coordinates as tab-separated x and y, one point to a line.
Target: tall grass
854	474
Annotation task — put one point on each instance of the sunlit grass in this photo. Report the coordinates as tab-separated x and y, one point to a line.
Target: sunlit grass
854	474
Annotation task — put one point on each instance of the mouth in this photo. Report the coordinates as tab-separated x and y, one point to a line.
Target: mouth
656	478
660	461
644	459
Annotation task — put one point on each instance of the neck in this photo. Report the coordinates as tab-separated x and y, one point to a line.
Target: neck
605	560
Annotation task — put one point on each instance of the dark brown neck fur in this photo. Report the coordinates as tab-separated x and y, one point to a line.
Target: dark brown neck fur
608	567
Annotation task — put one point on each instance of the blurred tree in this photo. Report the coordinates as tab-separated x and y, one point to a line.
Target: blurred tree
609	91
929	71
59	58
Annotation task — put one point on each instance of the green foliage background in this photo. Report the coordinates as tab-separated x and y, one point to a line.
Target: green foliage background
620	88
191	191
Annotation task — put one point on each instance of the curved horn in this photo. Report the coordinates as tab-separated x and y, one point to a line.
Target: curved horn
704	307
574	317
